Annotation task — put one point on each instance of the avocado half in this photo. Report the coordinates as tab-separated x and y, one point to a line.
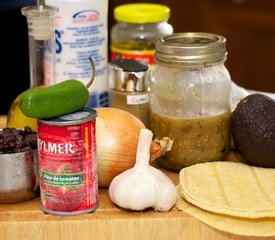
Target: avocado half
253	129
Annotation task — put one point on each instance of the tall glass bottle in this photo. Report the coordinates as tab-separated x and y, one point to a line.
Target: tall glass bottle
41	57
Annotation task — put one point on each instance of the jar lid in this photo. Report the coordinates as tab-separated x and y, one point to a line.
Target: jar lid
141	13
128	75
191	48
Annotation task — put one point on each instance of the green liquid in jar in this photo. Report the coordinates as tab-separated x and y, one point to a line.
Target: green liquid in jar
196	140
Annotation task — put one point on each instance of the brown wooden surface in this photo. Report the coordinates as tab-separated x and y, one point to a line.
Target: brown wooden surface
27	221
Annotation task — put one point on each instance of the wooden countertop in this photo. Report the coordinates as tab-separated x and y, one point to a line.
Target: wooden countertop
27	221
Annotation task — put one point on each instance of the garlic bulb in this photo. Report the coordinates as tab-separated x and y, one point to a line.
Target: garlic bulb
143	186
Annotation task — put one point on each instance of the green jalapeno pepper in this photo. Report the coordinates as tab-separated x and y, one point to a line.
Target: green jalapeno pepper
53	101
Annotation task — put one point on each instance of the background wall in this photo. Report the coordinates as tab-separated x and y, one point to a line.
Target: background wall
248	25
14	62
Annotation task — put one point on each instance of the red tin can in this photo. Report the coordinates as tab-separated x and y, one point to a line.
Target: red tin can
67	163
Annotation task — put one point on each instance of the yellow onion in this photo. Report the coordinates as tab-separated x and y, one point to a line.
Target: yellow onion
117	133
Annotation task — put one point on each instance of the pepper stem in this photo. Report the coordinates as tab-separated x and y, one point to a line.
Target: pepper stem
93	73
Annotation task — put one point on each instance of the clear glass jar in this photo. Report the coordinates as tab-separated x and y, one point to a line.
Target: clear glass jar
190	98
138	27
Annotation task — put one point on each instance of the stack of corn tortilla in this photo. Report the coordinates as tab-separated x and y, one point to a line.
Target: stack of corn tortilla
230	196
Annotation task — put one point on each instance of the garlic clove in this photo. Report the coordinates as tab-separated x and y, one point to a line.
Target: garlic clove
167	194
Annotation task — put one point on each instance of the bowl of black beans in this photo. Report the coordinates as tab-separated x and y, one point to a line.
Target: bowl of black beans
19	177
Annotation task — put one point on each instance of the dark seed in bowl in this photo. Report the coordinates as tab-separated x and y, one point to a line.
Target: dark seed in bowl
14	140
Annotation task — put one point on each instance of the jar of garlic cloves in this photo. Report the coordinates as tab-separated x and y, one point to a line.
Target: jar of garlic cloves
190	98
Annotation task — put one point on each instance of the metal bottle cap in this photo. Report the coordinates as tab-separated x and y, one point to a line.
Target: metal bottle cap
128	75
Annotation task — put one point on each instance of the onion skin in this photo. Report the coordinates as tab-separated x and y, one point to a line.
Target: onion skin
117	134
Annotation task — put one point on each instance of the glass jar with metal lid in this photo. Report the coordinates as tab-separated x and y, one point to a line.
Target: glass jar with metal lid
138	27
128	80
190	98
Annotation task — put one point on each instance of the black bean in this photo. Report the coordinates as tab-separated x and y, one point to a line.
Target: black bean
14	140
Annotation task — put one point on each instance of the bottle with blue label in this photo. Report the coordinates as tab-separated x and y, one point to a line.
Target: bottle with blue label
81	31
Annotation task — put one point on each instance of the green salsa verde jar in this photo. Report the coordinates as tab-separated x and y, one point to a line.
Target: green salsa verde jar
190	98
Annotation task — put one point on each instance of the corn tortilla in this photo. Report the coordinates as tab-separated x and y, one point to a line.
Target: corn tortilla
257	227
230	188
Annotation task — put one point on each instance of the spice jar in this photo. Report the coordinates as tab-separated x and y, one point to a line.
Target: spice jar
128	81
190	98
138	27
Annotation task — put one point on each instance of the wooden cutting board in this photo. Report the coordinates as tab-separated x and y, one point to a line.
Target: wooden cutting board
27	221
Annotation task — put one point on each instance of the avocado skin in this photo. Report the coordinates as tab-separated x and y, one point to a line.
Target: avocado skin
253	129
